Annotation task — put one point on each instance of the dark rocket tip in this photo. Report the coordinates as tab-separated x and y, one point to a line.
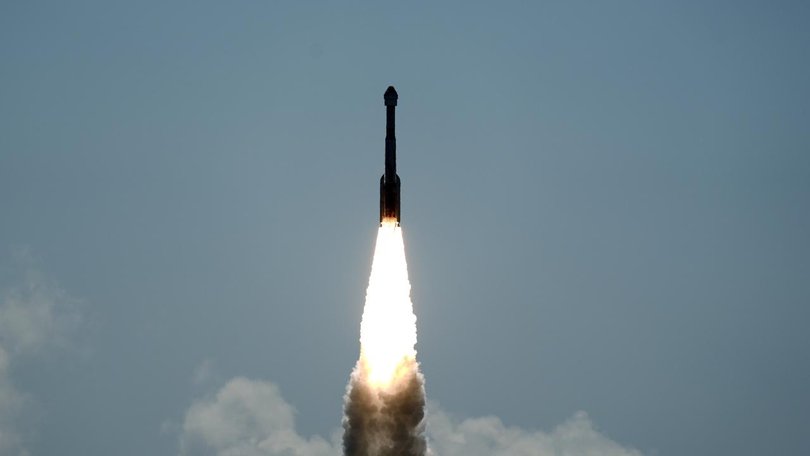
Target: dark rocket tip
391	96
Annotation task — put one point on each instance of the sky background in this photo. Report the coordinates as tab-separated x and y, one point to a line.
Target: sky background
605	209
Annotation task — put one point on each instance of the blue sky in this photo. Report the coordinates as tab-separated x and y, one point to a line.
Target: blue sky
604	209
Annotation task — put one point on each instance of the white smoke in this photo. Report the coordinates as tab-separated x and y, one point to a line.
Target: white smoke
35	315
12	403
250	418
488	436
247	418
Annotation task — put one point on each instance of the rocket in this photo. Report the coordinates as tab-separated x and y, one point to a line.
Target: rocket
389	182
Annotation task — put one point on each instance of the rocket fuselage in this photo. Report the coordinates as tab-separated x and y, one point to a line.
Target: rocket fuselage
389	182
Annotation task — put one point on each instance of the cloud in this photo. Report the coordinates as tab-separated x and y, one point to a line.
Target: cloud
488	436
35	315
204	373
247	418
12	403
250	418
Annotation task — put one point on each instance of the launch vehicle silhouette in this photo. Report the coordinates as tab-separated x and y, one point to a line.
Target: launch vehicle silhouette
389	182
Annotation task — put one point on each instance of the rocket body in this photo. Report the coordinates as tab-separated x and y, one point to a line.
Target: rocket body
389	182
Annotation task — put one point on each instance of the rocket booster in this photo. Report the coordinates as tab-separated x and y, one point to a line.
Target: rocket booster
389	182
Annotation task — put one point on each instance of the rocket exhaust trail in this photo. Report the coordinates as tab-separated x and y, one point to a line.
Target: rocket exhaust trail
385	399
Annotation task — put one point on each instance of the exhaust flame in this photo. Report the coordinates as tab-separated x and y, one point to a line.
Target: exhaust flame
388	330
385	399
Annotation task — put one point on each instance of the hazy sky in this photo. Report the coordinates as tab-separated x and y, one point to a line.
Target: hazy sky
605	209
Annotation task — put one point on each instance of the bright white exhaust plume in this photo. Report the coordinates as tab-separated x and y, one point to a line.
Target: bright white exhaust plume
388	330
385	400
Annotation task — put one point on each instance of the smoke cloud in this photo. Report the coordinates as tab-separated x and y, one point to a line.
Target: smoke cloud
12	403
250	418
247	418
387	422
488	436
35	315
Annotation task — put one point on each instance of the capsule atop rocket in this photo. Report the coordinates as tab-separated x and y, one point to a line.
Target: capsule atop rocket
389	182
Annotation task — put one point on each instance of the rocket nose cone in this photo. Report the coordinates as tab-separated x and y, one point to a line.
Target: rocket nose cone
391	96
